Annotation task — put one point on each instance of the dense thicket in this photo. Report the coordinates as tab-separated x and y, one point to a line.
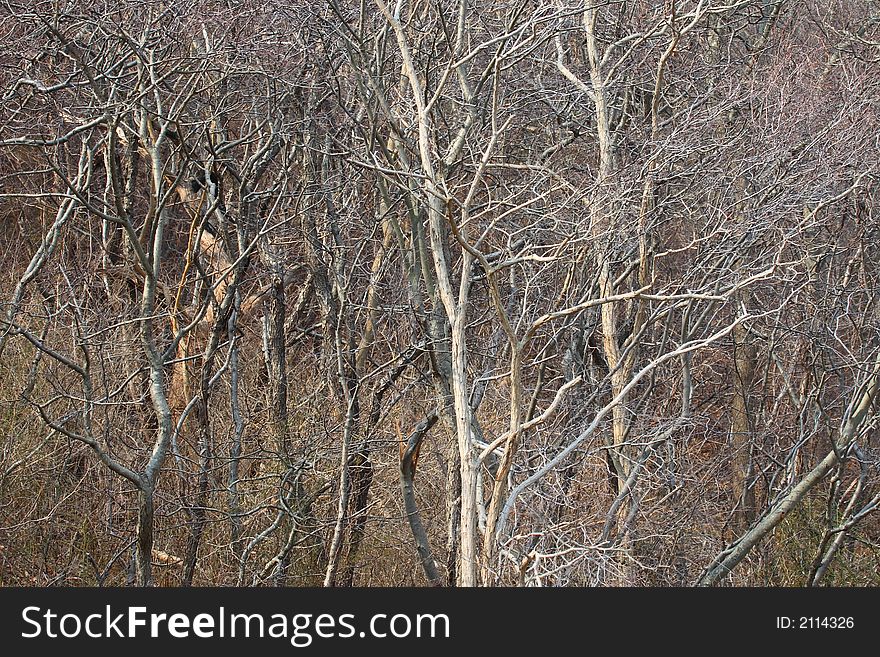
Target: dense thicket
441	292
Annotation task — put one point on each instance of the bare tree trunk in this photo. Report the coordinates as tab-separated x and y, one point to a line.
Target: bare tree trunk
408	460
741	428
361	481
467	575
197	511
233	476
144	551
334	552
276	363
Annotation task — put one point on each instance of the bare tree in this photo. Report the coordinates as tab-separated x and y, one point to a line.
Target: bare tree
612	266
